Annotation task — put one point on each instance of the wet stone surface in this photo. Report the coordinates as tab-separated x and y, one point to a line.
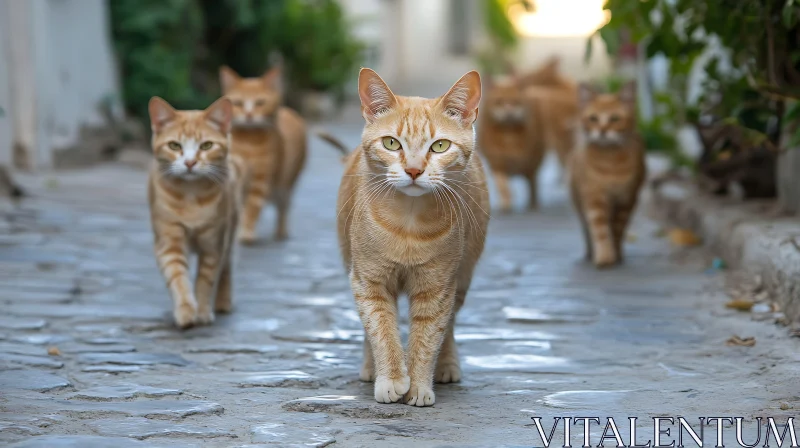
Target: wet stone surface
122	391
89	357
284	434
31	380
142	428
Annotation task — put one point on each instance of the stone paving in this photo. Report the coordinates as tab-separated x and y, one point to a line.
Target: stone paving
89	357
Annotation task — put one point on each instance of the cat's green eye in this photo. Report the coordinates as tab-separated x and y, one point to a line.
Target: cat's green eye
593	118
260	102
613	119
440	145
391	143
175	146
205	146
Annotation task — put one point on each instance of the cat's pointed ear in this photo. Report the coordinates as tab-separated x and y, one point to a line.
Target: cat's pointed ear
553	63
219	114
161	113
376	97
627	93
461	101
585	94
228	78
272	78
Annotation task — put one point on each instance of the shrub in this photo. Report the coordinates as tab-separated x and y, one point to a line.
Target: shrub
173	48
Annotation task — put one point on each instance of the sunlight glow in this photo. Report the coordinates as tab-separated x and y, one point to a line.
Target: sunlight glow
560	18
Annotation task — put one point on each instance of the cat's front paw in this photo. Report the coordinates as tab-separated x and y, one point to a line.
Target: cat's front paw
420	395
447	371
281	235
389	390
185	315
204	317
604	259
248	237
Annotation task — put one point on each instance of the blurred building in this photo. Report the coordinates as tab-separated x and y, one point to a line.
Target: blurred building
56	71
425	45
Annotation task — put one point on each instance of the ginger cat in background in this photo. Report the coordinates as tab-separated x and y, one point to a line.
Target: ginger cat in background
557	98
273	142
607	171
412	218
194	192
511	137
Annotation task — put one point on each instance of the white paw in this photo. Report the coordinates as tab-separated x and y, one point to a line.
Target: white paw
248	237
185	314
389	390
447	371
419	395
604	258
204	317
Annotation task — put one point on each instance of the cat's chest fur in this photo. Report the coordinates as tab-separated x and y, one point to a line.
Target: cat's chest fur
192	209
615	173
408	239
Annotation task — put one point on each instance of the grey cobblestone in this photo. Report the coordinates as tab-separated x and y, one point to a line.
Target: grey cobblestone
541	333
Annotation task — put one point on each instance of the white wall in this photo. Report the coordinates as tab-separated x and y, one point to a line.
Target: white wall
534	51
5	96
415	58
60	62
74	66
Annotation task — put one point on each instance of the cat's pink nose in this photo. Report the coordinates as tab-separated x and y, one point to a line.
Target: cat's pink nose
413	172
190	163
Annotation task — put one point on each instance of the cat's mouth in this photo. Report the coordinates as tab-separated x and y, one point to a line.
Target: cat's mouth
413	190
605	138
508	118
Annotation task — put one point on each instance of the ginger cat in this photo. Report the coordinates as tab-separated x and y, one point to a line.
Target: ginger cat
412	218
511	137
557	99
194	192
271	139
607	171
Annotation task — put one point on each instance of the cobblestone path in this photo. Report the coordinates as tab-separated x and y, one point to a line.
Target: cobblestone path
542	334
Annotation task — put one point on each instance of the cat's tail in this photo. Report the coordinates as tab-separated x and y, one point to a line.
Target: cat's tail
333	141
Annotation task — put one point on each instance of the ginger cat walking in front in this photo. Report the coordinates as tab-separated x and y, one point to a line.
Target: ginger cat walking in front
271	139
194	194
412	218
607	171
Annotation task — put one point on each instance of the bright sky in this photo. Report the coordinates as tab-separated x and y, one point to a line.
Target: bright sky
560	18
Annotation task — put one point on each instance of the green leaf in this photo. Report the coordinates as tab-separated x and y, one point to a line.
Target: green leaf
587	52
789	13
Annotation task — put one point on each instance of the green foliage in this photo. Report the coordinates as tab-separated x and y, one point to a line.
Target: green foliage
503	37
322	53
173	48
759	38
498	24
155	41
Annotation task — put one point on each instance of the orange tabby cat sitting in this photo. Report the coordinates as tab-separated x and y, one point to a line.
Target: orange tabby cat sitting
412	219
607	171
194	192
272	141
